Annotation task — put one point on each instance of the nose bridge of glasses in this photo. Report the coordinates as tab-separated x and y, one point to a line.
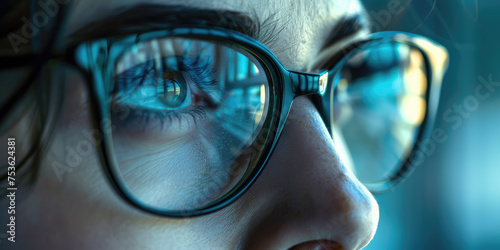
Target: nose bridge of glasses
308	83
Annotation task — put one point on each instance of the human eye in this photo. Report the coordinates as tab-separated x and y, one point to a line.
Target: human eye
164	86
185	114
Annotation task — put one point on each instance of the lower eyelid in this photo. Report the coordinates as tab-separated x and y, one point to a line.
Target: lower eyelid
137	123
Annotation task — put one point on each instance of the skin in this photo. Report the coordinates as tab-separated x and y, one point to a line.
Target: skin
306	195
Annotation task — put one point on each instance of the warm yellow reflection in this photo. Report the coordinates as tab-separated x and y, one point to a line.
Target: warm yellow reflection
256	69
415	81
412	108
437	54
262	96
416	58
342	85
259	113
415	78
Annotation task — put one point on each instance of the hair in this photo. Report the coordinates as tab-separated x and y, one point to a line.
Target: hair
28	110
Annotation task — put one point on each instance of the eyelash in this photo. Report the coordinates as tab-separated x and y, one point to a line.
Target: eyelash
198	71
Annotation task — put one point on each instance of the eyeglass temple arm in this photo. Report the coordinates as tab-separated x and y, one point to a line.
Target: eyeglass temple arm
26	60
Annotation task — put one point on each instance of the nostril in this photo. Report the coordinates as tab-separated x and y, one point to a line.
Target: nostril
318	245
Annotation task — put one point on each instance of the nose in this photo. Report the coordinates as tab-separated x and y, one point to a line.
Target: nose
308	198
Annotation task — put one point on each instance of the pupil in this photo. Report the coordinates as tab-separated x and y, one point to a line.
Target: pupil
171	89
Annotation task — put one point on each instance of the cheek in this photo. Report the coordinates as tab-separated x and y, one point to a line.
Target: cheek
82	210
190	171
70	175
72	204
76	106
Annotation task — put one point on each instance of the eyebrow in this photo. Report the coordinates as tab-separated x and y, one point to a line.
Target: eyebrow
346	26
149	17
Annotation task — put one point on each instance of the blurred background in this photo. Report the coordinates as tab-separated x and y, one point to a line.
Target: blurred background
452	201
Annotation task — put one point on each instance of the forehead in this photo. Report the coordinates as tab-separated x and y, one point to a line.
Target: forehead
302	24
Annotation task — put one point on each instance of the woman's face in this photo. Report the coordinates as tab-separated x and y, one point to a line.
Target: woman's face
305	196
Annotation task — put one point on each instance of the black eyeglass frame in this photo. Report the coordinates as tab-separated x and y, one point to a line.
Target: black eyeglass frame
95	60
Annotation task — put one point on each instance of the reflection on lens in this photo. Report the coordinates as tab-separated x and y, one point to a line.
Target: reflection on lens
171	89
379	105
186	114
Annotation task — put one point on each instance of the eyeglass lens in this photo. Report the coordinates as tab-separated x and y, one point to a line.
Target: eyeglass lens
186	113
378	108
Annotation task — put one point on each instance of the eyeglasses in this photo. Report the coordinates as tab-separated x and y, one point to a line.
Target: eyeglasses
191	115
